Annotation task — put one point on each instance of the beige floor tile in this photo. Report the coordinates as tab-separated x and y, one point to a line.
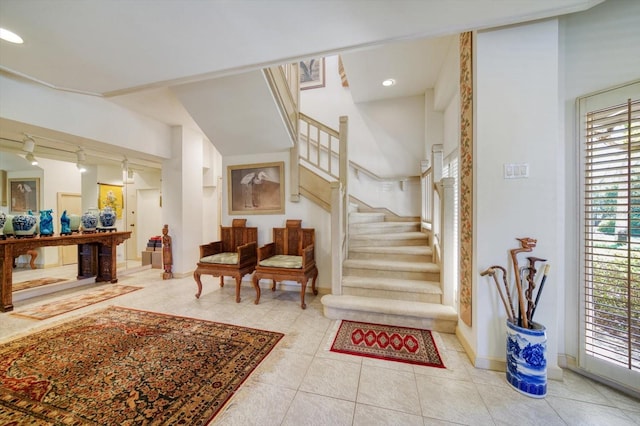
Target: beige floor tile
388	388
452	400
368	415
337	379
587	414
308	409
514	408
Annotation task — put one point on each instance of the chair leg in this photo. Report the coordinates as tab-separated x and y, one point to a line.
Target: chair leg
238	281
273	285
313	283
256	285
221	280
196	276
257	289
303	284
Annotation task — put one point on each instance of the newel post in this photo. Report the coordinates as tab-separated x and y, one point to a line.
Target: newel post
447	246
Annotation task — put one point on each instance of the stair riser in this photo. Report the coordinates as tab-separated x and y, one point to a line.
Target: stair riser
390	294
390	256
365	218
368	229
354	241
404	275
434	324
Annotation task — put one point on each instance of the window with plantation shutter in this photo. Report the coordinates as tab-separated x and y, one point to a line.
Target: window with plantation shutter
450	169
610	305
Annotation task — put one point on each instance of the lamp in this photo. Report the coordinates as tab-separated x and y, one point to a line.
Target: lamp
81	158
29	157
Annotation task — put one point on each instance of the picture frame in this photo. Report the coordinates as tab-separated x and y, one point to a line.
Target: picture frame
312	73
111	195
256	188
24	195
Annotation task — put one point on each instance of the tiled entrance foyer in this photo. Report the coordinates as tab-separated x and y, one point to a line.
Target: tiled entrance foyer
302	383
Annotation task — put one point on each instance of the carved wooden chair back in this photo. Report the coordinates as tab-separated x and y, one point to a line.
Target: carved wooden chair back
237	234
293	238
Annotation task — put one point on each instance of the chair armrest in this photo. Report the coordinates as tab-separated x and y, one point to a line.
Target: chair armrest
308	255
247	252
210	248
266	251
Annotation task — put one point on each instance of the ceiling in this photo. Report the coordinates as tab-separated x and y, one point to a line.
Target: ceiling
171	59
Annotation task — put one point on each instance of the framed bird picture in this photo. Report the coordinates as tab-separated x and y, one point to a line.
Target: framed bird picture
256	188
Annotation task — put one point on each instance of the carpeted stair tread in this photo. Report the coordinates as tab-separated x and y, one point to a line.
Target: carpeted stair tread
392	284
380	238
410	250
432	316
383	227
391	265
366	217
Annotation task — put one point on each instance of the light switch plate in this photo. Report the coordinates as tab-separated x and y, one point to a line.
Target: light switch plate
516	170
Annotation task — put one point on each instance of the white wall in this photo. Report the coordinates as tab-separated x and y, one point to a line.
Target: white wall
386	137
82	115
517	121
612	30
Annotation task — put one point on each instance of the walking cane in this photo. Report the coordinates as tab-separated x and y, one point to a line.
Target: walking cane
527	245
491	271
544	278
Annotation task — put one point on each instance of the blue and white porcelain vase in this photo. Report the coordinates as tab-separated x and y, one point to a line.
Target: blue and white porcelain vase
89	221
527	359
107	217
24	225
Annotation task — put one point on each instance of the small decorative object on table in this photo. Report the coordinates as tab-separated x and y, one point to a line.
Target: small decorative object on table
107	220
526	340
89	222
3	218
24	225
65	224
46	223
167	260
74	222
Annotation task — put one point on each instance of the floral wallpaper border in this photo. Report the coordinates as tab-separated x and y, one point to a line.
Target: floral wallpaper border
466	176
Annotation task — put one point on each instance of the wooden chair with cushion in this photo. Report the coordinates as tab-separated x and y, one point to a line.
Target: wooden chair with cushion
235	255
290	256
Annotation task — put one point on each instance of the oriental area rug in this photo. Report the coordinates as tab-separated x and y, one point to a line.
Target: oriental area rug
121	366
24	285
391	343
72	303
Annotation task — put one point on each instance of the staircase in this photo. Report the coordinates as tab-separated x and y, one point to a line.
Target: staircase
389	276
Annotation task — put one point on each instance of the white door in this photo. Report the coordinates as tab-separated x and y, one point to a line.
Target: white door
150	224
610	252
131	210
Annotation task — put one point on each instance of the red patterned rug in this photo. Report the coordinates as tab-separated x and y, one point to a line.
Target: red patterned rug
122	366
391	343
72	303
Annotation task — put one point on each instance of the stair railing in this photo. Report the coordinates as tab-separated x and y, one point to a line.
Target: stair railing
438	213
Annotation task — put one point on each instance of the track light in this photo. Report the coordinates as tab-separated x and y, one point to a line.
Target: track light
30	158
81	158
28	144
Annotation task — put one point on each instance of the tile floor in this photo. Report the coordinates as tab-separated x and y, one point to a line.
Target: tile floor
302	383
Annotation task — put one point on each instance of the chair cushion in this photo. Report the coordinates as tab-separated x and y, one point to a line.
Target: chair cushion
283	261
221	258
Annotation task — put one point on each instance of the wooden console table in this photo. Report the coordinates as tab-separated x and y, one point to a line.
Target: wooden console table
96	257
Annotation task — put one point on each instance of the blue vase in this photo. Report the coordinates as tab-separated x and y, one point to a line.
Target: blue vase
527	359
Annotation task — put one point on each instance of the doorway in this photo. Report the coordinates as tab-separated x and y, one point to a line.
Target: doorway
72	203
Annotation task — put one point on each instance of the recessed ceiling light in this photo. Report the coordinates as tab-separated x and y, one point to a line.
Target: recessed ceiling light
10	36
388	82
